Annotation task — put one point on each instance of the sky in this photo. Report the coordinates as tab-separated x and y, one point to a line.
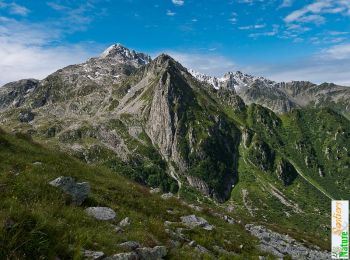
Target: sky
279	39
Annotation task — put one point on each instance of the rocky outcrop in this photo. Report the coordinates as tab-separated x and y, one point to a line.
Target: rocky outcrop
286	172
26	116
261	155
78	191
283	245
14	94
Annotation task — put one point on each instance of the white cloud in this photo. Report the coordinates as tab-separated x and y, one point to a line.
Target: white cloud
28	51
14	8
233	18
178	2
210	64
313	12
337	52
273	32
329	65
250	27
170	13
286	3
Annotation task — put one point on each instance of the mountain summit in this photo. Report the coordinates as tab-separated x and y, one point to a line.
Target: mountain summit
122	54
265	152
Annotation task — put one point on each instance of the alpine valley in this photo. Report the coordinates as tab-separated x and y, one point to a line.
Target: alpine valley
191	166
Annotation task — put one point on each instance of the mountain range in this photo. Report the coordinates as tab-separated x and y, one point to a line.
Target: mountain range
269	153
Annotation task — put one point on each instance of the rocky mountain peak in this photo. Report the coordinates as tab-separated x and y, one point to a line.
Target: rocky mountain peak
120	53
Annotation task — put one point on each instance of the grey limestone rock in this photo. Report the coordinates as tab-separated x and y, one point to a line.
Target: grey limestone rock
193	221
282	245
101	213
78	191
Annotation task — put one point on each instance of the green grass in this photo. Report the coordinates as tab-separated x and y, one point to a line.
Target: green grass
38	222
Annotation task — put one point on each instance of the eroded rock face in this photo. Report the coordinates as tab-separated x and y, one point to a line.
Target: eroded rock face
101	213
286	172
78	191
283	245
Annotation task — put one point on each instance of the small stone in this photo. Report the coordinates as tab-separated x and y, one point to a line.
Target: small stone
228	219
37	163
92	255
118	230
155	190
201	249
167	195
101	213
192	243
130	245
125	222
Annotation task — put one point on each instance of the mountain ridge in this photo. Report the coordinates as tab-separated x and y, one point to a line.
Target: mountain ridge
157	124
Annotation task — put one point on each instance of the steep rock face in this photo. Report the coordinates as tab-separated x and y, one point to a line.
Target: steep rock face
261	155
15	93
286	172
172	125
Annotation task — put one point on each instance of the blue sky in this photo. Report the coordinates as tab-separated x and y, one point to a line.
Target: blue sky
279	39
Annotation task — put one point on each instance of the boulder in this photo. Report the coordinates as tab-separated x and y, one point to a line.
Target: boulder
130	245
154	253
193	221
123	256
92	255
101	213
78	191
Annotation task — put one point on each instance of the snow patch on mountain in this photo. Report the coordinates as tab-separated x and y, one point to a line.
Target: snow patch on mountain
237	81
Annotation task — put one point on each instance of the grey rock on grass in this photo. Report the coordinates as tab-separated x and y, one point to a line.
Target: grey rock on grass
123	256
78	191
283	245
101	213
130	245
193	221
92	255
154	253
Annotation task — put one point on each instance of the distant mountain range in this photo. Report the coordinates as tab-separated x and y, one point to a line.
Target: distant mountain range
275	152
281	96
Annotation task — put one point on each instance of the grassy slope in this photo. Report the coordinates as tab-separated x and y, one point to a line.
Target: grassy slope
42	224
